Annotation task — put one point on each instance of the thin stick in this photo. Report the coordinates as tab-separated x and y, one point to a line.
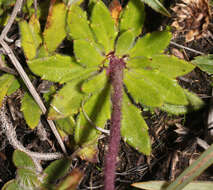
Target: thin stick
91	122
16	9
184	47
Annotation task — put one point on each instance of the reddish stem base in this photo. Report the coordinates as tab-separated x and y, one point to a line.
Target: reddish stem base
116	67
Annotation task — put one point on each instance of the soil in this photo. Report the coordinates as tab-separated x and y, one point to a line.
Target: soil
174	138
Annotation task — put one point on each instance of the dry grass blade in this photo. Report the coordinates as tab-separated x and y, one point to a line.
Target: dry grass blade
193	171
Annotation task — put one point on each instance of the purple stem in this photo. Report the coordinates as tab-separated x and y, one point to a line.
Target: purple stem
116	67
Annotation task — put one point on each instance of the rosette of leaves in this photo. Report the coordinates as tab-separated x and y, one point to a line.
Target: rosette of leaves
149	75
85	79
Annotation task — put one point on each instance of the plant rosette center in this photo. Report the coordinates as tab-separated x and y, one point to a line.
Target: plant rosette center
113	59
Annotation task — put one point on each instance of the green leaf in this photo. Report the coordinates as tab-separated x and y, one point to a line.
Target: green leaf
161	185
142	90
139	63
87	53
5	82
56	170
71	181
124	43
170	66
134	130
157	6
22	160
11	185
53	68
30	37
27	179
205	63
66	102
169	89
55	31
78	25
34	25
103	26
66	124
26	174
79	73
174	109
13	87
31	110
151	44
132	17
95	83
195	103
98	110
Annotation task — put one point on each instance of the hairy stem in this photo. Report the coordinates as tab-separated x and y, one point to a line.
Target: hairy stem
116	75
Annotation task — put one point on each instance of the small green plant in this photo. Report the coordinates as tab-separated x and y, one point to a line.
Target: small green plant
111	66
27	177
